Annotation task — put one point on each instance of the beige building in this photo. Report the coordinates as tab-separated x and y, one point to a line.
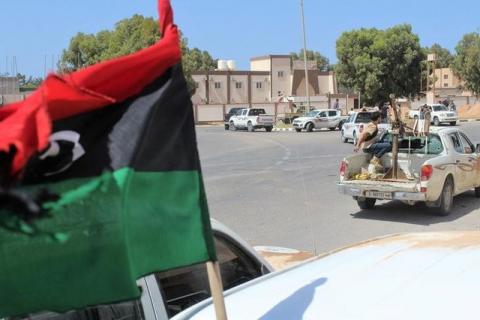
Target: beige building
271	78
448	84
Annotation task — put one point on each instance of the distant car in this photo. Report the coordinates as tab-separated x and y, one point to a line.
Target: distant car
231	112
252	119
353	126
412	276
440	114
164	294
319	119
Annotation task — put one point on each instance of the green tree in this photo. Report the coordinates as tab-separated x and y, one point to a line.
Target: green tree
128	36
444	58
379	62
467	61
28	84
195	60
322	62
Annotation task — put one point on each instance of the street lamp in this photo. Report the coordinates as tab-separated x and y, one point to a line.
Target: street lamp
305	56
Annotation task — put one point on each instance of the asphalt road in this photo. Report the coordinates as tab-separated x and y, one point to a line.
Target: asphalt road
279	189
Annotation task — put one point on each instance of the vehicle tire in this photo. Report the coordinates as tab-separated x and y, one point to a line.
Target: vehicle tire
453	123
298	130
332	129
250	127
436	122
477	192
344	140
366	203
227	127
232	126
340	125
354	138
309	127
268	129
446	199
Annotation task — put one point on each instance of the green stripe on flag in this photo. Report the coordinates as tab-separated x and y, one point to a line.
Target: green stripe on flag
117	228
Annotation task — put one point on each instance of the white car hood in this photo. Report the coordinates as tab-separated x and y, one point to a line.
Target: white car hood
412	276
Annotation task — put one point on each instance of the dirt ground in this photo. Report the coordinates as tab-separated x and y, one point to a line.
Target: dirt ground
469	111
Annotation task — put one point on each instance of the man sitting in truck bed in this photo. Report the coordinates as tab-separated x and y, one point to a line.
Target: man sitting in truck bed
368	142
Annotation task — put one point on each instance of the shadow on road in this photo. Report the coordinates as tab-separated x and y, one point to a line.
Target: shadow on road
396	211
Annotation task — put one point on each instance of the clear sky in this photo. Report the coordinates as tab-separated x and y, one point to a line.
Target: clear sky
238	30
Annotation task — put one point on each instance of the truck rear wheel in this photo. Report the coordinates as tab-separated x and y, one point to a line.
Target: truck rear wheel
268	129
453	123
227	127
446	199
366	203
250	127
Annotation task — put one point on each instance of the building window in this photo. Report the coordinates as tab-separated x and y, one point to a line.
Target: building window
445	85
238	85
218	85
445	76
280	74
259	85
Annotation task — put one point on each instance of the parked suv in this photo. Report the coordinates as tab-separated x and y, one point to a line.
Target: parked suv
319	119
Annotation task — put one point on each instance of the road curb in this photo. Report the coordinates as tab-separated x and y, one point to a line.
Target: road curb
468	120
283	129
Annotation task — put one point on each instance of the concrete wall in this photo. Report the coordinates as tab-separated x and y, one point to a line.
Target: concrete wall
239	95
281	77
11	98
260	64
218	95
200	96
9	85
216	112
260	94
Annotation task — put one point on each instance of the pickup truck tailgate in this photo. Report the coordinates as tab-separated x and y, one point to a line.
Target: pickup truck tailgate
383	185
408	190
263	118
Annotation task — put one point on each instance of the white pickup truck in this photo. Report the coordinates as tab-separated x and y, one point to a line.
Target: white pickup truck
251	119
438	167
319	119
352	128
440	114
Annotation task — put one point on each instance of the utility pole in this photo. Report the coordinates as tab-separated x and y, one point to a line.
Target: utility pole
305	57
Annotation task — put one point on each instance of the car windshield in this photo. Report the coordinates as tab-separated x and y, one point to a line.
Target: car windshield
431	144
256	112
363	117
312	114
440	108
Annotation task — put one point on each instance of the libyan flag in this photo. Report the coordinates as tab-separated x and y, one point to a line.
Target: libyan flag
116	144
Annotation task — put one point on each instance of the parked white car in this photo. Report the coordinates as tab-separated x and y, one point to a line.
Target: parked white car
440	114
164	294
438	167
353	127
414	276
251	119
319	119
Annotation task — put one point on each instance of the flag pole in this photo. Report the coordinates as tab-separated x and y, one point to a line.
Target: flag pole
216	287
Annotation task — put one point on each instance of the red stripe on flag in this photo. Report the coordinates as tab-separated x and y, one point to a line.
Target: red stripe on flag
27	125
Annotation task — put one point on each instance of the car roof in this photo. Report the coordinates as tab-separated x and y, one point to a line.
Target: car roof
405	276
